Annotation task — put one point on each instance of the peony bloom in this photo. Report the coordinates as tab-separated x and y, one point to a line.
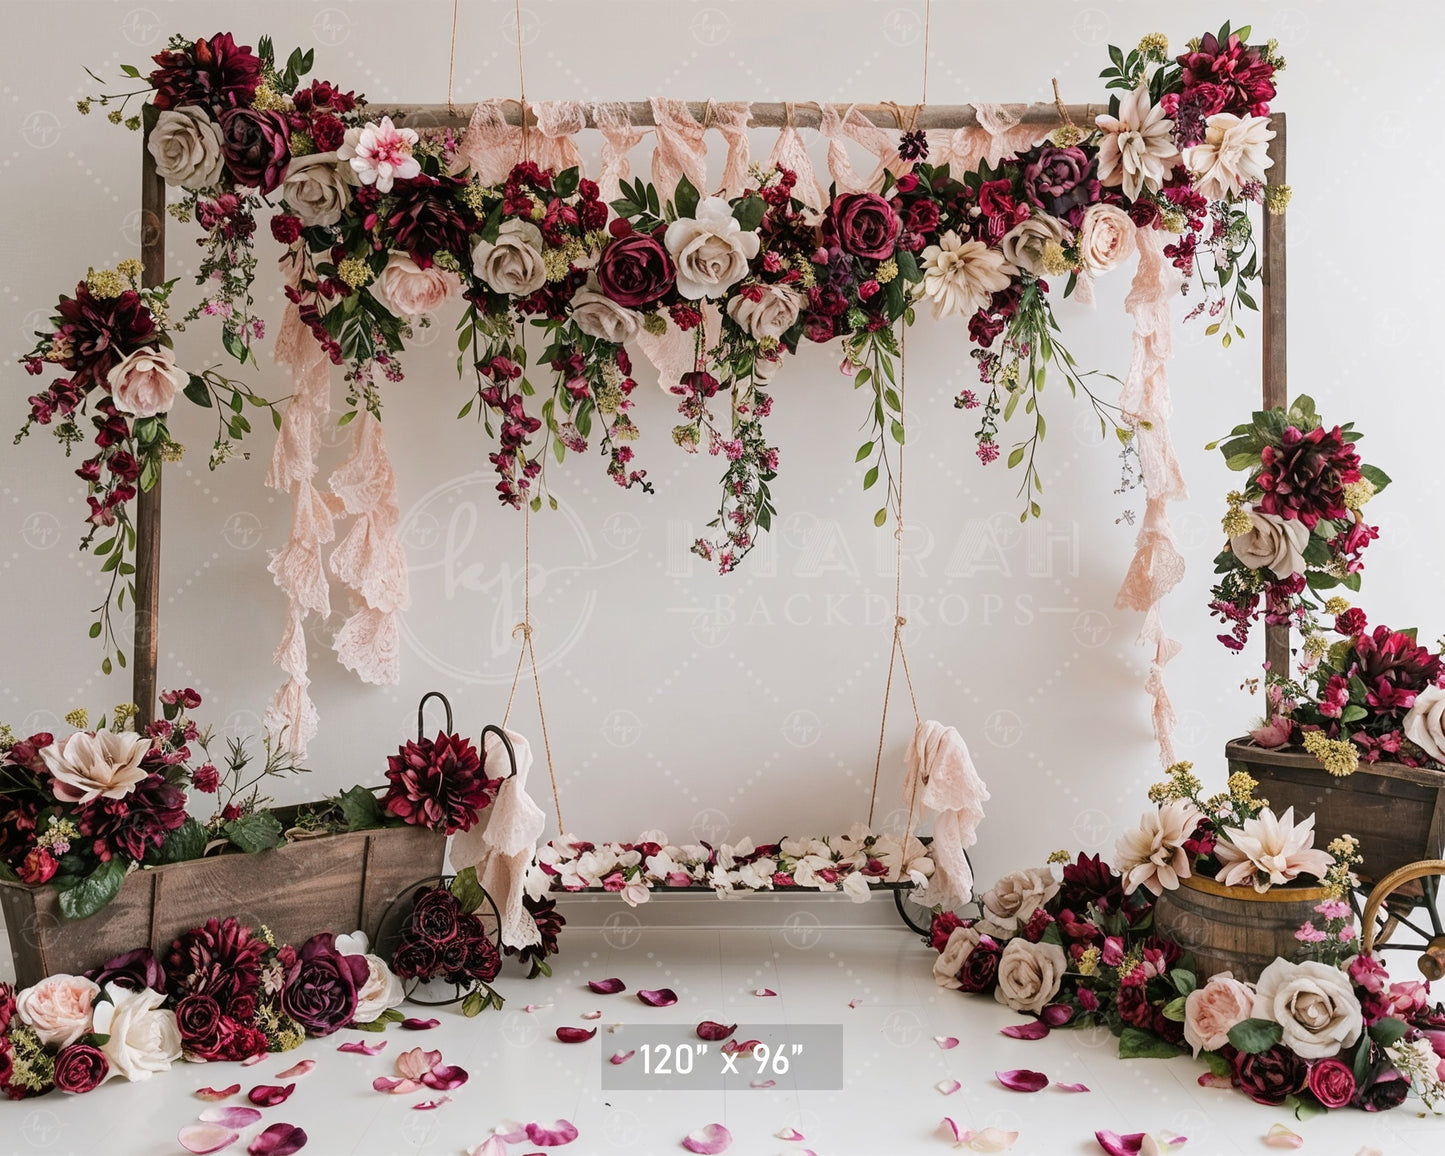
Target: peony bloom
1425	724
597	315
58	1008
145	383
321	986
1210	1011
1029	975
711	250
132	826
512	264
1011	902
1153	856
865	224
142	1037
1137	149
1270	850
962	276
1235	152
1272	544
96	764
317	189
186	145
1106	237
1023	245
380	154
1314	1003
408	290
635	271
257	147
771	315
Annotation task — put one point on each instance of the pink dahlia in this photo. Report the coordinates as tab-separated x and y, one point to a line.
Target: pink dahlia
438	784
1239	72
1394	669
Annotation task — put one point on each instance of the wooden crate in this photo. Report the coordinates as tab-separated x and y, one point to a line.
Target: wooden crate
1396	812
337	883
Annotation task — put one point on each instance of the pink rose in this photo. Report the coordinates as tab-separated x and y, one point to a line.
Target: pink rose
1210	1011
1106	237
145	383
58	1008
408	290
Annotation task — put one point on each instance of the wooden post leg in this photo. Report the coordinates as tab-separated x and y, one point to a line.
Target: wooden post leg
1276	387
148	504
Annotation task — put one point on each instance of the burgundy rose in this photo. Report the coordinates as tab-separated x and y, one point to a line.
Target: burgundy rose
1061	181
635	271
1271	1076
320	991
80	1068
256	147
38	867
436	917
865	225
979	970
943	926
414	959
1388	1090
483	959
1332	1083
922	216
198	1018
135	970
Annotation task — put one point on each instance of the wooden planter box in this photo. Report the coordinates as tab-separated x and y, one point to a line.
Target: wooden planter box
1235	929
1396	812
337	883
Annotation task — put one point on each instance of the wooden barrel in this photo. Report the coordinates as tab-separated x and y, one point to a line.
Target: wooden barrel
1235	929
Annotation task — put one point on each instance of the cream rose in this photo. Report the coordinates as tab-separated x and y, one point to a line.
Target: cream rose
382	989
597	315
960	945
1010	902
317	188
1425	724
91	765
1272	542
143	1039
1106	237
58	1008
145	383
186	145
771	315
1029	974
1024	244
710	249
512	264
1313	1002
1210	1011
408	290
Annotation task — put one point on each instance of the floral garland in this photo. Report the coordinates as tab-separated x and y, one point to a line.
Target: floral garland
847	863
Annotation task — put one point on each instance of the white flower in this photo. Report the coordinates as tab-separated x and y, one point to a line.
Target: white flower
382	989
710	249
1425	724
1313	1003
962	276
597	315
1106	237
855	886
317	189
1152	855
512	264
58	1008
1137	148
143	1036
93	765
380	154
1273	543
1234	152
1270	850
635	893
186	145
146	381
1023	245
771	315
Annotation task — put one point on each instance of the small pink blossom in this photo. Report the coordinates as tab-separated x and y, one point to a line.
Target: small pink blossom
380	154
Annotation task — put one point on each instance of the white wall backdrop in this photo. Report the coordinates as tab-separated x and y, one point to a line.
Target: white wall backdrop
748	704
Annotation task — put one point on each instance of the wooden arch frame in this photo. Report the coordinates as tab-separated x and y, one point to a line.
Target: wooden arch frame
153	260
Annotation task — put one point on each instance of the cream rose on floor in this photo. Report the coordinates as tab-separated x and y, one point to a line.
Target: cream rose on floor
90	765
1210	1011
771	315
382	989
408	290
146	382
1235	152
59	1008
1152	855
1029	974
143	1037
597	315
317	188
1106	237
1313	1003
1137	147
186	145
1010	903
512	264
962	276
1425	724
1273	543
710	249
1023	245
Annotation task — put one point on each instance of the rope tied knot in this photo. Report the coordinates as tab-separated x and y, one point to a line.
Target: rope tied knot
524	629
899	622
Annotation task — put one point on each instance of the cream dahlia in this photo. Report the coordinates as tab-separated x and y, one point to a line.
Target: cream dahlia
962	276
93	764
1270	850
1152	856
1137	148
1234	153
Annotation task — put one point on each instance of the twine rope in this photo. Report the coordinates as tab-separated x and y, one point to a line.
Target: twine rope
452	59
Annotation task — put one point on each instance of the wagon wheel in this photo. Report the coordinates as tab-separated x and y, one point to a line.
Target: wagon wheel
918	916
1395	902
435	992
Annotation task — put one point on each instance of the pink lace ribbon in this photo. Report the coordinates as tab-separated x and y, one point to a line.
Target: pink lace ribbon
731	118
680	150
619	138
1157	566
491	146
998	134
789	152
853	125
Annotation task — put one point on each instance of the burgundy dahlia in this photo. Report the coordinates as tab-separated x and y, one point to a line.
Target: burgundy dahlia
1394	669
136	824
135	970
1305	476
425	219
256	146
217	72
102	331
438	784
1089	881
221	960
7	1006
1240	73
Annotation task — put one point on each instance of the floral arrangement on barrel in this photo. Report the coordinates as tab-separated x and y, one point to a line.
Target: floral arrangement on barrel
222	992
112	340
387	224
1296	529
79	813
847	863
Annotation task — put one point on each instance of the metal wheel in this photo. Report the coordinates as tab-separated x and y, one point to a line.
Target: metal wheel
436	992
918	917
1409	899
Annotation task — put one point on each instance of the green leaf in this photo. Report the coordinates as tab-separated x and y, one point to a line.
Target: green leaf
749	212
95	629
188	841
1137	1044
258	831
1306	1107
1174	1009
376	1025
198	391
863	451
1388	1031
1015	456
896	429
1253	1036
1184	981
1218	1064
870	479
474	1004
360	810
1376	476
94	891
566	182
686	197
880	517
908	267
7	874
467	890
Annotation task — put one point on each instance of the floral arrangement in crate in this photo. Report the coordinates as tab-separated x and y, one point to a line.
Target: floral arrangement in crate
1296	528
386	225
847	863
